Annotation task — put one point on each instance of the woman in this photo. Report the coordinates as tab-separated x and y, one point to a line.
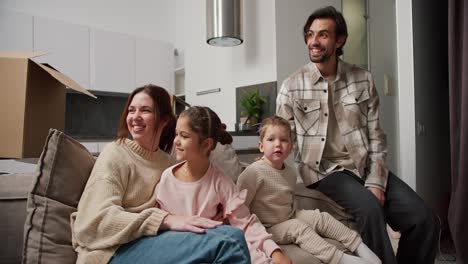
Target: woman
117	221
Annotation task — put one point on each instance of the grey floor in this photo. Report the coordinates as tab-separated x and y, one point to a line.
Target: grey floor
445	251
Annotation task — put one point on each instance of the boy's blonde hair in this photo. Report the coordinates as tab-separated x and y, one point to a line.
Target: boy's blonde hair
274	121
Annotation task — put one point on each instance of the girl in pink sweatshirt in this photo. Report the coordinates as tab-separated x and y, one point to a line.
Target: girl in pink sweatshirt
196	187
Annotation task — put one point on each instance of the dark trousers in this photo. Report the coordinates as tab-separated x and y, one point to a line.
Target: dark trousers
403	210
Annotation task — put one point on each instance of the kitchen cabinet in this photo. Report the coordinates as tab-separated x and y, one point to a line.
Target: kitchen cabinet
16	31
97	59
154	63
113	61
68	47
123	62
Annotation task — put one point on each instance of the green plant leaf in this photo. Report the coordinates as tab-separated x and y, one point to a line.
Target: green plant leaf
251	103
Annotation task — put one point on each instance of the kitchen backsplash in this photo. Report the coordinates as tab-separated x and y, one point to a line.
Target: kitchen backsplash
89	118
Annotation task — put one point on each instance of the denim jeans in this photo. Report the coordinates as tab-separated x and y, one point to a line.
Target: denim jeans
224	244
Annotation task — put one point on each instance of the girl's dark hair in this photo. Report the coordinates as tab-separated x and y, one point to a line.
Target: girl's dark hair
340	24
163	110
206	123
224	137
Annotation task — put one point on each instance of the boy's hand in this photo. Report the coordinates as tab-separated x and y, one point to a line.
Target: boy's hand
280	258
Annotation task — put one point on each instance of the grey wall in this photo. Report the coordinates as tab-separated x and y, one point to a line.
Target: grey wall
383	61
291	51
430	27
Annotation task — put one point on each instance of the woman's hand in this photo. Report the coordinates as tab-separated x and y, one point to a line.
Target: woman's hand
280	258
194	224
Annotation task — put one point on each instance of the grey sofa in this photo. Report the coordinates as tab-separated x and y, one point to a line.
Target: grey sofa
35	207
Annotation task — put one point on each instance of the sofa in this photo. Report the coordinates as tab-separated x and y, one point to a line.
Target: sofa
36	207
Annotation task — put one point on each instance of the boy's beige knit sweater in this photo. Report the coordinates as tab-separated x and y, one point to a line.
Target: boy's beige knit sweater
118	203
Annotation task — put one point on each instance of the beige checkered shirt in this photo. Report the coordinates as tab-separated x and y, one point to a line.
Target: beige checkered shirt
303	100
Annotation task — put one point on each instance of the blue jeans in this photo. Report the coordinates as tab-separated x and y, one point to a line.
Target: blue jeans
224	244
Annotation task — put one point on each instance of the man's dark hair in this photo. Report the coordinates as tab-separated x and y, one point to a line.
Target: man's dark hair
340	24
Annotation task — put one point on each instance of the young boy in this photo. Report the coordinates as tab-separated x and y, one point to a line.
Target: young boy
270	183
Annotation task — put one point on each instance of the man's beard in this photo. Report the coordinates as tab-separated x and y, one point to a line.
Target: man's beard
324	58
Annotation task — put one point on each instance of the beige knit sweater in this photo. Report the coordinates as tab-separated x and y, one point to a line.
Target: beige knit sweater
270	192
118	203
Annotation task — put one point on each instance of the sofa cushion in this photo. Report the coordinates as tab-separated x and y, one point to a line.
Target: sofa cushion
63	169
225	157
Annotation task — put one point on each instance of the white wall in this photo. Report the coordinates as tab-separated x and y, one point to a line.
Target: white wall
404	26
154	19
208	67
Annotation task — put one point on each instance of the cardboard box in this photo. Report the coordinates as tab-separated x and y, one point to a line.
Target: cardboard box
32	100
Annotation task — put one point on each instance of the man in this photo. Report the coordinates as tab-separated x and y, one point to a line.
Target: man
340	148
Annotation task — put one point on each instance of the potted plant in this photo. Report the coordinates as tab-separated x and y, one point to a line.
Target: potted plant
251	107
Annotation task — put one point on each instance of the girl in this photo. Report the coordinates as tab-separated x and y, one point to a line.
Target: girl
270	183
196	187
116	220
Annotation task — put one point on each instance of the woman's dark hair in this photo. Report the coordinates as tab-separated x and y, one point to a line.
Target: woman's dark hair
163	110
206	123
340	24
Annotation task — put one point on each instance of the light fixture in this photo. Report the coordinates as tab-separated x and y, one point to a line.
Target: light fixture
224	22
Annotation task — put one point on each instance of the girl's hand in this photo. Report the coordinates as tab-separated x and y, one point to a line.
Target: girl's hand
280	258
194	224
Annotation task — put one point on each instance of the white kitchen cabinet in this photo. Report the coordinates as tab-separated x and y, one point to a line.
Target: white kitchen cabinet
155	63
113	61
68	47
97	59
16	31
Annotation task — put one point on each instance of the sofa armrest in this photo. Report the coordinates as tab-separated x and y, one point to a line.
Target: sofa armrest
14	189
16	185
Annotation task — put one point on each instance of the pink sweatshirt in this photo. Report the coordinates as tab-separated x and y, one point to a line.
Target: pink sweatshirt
203	197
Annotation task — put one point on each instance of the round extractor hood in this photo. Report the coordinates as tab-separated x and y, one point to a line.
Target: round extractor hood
224	23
